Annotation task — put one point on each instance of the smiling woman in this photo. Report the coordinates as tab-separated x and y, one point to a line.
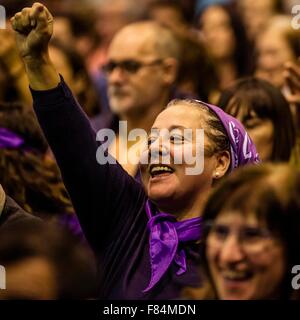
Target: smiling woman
146	242
251	240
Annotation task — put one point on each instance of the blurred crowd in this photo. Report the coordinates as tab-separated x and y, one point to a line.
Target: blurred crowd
126	60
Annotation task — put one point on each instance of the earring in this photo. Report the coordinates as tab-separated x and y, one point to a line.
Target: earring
217	175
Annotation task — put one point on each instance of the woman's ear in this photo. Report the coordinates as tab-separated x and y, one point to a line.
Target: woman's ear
222	164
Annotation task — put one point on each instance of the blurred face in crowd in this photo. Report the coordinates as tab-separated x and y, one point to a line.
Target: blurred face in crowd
273	51
168	184
77	82
112	16
62	31
169	16
261	131
244	259
217	32
30	279
256	14
62	65
138	76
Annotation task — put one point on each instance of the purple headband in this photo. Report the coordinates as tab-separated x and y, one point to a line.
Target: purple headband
9	140
243	150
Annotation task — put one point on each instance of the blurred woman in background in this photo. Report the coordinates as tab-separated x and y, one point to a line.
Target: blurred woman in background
225	38
266	115
45	262
251	236
256	14
278	44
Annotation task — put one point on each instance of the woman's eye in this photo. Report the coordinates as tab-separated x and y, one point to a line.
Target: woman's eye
253	234
253	123
150	141
177	139
220	232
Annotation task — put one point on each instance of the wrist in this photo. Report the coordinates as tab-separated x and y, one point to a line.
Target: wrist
37	60
41	72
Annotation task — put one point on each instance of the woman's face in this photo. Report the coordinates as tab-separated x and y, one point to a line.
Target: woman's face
261	131
217	33
62	65
245	261
273	52
255	15
168	182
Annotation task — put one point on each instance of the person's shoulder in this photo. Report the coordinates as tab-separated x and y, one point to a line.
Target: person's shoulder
13	213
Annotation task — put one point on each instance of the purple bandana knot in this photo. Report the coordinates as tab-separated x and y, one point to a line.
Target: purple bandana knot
243	150
9	139
166	234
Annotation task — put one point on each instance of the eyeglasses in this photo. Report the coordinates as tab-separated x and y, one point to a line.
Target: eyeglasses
129	66
253	240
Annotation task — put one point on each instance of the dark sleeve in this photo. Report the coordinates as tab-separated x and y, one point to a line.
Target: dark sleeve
105	197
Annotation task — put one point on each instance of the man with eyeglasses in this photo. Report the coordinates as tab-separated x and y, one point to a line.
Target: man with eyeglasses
141	72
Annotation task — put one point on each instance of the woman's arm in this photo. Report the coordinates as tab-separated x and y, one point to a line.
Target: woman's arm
104	196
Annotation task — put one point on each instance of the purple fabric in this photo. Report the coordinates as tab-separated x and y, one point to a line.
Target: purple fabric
70	221
166	233
8	139
243	150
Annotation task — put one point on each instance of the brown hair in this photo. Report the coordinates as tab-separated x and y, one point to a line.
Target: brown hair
272	193
33	182
267	102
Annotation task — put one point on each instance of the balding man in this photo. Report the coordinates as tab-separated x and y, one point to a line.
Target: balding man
141	72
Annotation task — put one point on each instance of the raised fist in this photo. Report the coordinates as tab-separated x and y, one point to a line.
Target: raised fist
34	28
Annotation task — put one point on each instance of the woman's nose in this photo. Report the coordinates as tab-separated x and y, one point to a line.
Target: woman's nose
159	150
231	251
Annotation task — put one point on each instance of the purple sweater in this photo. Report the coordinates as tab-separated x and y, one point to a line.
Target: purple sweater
109	203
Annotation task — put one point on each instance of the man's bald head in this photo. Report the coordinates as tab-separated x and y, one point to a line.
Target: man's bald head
142	63
152	36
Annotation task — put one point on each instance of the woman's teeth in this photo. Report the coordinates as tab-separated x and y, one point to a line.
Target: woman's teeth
237	275
160	170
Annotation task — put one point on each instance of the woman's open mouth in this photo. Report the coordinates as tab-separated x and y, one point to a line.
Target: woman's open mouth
159	170
237	276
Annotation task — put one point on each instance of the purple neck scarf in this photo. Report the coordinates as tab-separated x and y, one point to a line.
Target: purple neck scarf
9	140
166	233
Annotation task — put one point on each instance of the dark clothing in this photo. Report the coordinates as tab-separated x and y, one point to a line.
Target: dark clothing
13	213
110	204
